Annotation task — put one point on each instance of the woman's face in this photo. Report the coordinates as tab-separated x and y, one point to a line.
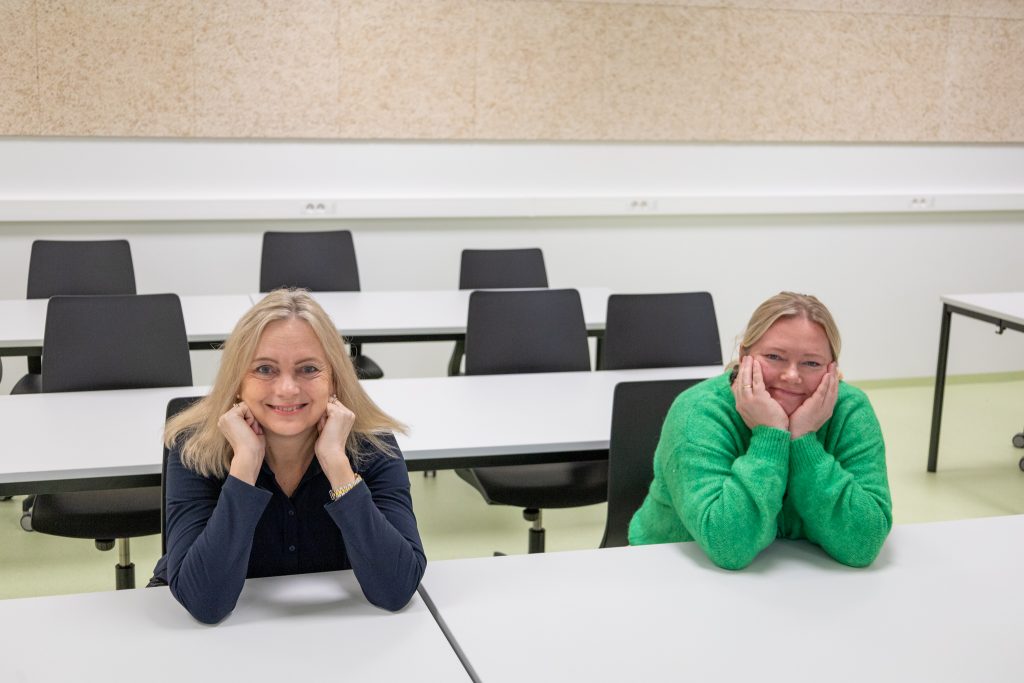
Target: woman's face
794	355
288	381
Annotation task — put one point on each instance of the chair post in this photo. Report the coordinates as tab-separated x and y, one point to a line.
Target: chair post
124	569
536	542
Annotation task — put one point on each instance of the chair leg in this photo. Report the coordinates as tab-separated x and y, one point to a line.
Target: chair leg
124	569
536	544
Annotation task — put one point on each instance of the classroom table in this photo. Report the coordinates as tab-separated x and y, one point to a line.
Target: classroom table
208	321
290	628
111	439
427	315
941	603
1005	310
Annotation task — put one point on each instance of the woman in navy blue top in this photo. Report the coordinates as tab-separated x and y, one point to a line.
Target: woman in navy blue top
286	467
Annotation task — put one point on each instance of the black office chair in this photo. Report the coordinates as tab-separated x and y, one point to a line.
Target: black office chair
74	267
660	331
497	269
322	261
638	411
110	342
531	331
174	406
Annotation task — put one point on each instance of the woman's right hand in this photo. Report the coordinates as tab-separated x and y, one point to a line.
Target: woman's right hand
753	402
248	444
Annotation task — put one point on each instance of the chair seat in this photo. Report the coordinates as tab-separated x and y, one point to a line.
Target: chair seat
120	513
32	383
366	367
555	485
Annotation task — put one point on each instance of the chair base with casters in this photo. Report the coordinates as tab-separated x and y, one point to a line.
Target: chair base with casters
103	516
535	487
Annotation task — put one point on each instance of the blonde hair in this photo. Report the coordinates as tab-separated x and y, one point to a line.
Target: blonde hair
787	304
203	447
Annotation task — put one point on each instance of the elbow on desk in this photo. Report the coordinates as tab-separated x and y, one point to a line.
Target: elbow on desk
859	556
395	594
202	611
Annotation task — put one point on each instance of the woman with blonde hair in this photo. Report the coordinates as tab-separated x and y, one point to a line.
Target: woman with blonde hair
286	467
777	447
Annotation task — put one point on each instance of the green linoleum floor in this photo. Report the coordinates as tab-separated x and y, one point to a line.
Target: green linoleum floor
978	476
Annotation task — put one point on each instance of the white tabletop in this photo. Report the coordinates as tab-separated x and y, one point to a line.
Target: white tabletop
428	313
294	628
61	441
1008	306
942	603
207	318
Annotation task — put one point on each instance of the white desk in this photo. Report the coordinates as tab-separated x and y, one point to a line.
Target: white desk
110	439
1005	310
208	320
943	602
430	315
305	628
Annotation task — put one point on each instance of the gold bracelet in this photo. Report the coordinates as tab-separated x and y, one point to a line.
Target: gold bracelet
337	493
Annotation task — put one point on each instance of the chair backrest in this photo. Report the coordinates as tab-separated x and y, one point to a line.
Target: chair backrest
115	342
174	406
323	261
638	412
660	331
502	269
536	330
80	267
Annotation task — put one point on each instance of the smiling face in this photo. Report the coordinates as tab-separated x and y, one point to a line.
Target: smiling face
288	382
794	354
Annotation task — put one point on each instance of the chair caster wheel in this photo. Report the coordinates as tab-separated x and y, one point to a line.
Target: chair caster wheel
1018	440
26	521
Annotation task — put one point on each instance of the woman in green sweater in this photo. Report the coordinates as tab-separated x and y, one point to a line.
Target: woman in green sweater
779	446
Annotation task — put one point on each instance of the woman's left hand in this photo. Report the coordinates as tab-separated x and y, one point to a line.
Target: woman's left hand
816	408
335	427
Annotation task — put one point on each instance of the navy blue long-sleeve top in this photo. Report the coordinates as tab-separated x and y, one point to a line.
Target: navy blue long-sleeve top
222	531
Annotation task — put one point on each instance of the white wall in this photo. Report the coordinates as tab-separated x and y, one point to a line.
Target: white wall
881	274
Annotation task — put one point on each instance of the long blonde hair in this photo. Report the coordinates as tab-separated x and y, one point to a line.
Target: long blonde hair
205	450
785	304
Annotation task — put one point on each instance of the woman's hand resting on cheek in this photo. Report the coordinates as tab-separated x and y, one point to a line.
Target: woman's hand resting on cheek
753	402
816	408
248	444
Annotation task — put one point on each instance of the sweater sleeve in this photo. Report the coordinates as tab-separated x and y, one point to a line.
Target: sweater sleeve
728	500
379	527
840	488
210	529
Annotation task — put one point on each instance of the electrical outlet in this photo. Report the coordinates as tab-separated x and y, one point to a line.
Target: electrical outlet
641	205
922	203
316	207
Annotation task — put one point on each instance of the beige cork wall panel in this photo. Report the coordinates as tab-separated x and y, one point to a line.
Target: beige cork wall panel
267	69
604	70
19	92
407	69
891	84
780	76
985	81
663	71
539	70
115	67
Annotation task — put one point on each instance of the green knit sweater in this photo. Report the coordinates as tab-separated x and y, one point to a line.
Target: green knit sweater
734	490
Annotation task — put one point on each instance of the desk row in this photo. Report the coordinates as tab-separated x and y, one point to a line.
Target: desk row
938	605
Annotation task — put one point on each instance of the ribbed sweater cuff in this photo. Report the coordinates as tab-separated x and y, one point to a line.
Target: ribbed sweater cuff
770	443
806	452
